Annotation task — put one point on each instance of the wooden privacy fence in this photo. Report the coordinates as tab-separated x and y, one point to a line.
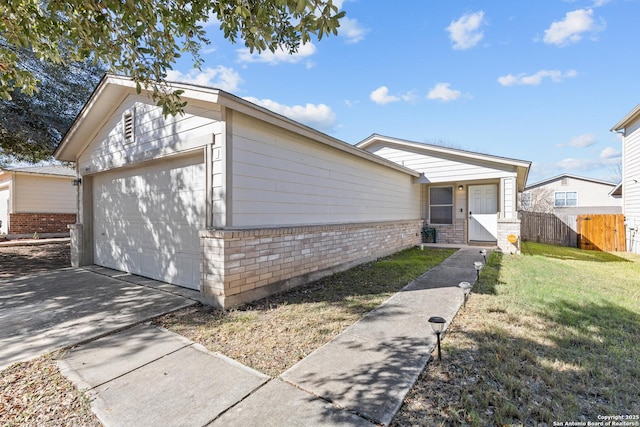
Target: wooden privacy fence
601	232
548	228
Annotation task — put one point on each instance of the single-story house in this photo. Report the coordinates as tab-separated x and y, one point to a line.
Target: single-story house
467	197
571	195
629	128
239	202
37	199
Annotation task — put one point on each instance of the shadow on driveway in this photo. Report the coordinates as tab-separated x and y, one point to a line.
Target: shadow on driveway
57	309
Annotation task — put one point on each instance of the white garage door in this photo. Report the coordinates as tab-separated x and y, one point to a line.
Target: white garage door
146	220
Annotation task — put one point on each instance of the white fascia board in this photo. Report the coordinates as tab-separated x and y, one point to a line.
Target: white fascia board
631	115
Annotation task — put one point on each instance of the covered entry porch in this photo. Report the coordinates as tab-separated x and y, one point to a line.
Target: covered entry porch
470	213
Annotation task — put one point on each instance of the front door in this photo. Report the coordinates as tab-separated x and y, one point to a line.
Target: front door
483	213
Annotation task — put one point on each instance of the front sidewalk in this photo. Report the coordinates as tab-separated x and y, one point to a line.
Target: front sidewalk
149	376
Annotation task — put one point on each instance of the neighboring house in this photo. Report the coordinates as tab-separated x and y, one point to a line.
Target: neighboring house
629	128
571	195
239	202
37	199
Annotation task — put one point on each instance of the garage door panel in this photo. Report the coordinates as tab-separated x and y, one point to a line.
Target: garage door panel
146	220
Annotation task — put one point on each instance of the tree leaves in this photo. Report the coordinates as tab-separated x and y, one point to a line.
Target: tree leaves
32	124
144	38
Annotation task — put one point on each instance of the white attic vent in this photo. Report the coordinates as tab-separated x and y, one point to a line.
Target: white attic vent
128	125
565	181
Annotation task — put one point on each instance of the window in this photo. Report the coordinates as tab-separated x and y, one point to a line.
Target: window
441	205
128	126
565	199
525	200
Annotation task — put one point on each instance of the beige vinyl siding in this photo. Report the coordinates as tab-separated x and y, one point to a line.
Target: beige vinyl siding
440	168
39	194
589	193
631	188
4	206
280	178
155	135
509	196
631	185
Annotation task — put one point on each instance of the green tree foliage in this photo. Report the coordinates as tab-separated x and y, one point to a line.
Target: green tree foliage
143	38
31	126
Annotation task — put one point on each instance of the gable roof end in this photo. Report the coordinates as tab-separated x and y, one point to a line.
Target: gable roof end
521	166
112	90
626	120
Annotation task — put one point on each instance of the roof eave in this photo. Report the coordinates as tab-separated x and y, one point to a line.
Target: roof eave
444	150
629	117
117	87
522	166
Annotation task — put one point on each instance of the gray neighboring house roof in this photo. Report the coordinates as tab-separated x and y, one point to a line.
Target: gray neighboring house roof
56	170
566	175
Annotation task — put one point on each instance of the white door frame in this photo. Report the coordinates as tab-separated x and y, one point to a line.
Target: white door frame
483	212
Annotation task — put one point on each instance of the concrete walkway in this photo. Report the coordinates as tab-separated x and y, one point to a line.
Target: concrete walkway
149	376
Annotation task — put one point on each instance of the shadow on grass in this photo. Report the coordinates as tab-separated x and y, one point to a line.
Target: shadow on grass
567	253
16	261
569	360
577	363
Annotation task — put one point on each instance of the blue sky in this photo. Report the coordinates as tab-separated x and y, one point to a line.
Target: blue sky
540	80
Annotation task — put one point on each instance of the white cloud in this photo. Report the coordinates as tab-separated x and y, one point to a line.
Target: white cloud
465	32
317	116
381	96
571	29
556	76
442	92
220	77
352	30
587	164
280	55
610	153
582	141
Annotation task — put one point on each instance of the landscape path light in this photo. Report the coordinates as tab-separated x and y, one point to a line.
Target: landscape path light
466	288
483	252
478	266
437	323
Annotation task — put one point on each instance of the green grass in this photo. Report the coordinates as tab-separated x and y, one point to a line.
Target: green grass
548	336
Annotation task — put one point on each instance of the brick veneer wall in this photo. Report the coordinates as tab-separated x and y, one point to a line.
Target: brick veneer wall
454	233
29	223
507	227
245	265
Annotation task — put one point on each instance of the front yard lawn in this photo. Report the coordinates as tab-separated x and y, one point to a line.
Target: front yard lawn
550	336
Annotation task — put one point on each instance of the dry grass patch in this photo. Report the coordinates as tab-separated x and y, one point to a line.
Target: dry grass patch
22	260
546	337
272	334
35	393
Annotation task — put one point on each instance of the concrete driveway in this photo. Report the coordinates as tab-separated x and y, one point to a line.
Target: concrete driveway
57	309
